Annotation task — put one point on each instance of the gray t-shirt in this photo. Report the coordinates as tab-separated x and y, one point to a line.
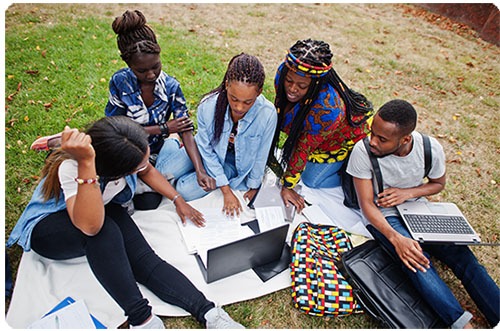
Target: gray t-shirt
401	172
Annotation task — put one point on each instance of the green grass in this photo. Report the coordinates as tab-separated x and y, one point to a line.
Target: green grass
59	58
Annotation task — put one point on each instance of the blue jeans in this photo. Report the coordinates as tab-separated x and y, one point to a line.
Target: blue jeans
119	257
460	259
174	163
322	175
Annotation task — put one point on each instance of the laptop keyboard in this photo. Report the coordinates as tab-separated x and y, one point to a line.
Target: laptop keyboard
438	224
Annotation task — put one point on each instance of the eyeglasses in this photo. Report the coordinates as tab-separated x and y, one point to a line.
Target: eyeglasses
139	169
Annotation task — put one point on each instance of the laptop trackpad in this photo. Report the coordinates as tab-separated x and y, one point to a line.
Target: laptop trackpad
437	209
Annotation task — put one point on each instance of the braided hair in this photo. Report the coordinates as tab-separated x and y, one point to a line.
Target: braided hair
242	68
134	35
312	54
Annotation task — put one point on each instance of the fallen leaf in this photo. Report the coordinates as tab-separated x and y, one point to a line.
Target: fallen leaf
31	72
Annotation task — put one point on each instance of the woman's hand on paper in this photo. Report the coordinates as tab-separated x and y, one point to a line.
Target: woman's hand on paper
232	206
185	212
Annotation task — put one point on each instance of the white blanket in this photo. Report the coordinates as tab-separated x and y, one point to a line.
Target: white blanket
42	283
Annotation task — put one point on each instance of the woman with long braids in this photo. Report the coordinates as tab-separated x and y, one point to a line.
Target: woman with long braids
76	210
236	124
149	96
321	117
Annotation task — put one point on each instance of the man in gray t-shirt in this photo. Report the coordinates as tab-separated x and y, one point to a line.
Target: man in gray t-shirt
401	157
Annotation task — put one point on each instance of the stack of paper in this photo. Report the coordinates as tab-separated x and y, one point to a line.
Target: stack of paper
219	229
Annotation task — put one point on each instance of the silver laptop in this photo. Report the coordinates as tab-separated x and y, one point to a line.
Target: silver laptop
437	222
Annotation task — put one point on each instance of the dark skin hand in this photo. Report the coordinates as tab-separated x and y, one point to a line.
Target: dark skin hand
289	196
206	182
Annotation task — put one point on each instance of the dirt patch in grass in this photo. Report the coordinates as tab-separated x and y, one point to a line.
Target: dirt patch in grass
385	51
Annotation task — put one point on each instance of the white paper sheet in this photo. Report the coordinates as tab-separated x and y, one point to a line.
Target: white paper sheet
73	316
269	217
219	229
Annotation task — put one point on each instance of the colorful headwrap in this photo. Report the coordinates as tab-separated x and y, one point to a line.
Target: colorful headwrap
304	69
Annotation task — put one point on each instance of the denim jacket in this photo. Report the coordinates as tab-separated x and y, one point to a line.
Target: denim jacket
255	134
37	209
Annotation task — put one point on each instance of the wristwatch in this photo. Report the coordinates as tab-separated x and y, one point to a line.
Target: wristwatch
165	131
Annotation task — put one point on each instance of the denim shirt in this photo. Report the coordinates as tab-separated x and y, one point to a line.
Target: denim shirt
37	209
252	143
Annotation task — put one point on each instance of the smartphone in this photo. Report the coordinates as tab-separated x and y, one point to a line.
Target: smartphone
289	213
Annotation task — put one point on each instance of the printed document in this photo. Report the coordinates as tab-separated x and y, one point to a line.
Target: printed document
219	229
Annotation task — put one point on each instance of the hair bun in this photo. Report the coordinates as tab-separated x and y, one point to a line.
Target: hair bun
128	22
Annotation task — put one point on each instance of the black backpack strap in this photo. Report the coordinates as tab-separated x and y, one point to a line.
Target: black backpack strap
427	154
375	165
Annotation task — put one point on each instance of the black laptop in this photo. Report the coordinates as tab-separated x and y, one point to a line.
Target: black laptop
255	251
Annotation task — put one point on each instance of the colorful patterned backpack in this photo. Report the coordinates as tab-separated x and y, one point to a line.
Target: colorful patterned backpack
318	288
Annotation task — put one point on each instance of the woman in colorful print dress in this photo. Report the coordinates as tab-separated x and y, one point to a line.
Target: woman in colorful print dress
321	117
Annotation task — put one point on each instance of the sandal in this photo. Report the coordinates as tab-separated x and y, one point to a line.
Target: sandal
47	143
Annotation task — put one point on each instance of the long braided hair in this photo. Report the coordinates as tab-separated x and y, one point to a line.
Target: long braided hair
134	35
243	68
312	58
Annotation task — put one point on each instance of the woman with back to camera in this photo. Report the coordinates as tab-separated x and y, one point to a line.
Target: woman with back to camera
321	117
76	210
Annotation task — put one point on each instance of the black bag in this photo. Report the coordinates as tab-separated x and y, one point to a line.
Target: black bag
350	197
384	290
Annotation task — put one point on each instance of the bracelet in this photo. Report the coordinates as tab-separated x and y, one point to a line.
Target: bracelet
164	130
177	196
81	181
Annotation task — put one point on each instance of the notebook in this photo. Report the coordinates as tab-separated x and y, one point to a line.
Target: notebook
247	253
270	196
437	222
